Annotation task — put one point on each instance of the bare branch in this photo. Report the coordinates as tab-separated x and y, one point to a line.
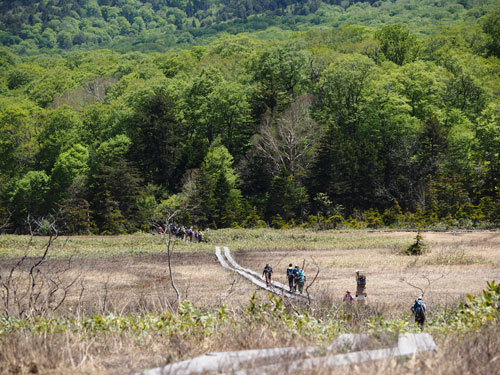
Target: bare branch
414	286
288	141
312	282
167	237
429	281
7	221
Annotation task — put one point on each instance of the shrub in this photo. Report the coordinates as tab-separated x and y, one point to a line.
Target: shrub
334	221
277	222
416	248
393	215
373	218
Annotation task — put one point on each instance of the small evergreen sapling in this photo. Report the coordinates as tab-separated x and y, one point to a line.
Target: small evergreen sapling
416	248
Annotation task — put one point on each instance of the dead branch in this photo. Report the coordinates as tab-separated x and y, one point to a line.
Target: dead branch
38	289
167	237
105	300
312	282
7	221
422	291
290	303
429	281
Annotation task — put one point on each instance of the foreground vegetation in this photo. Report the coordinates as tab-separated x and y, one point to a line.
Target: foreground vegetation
85	344
118	312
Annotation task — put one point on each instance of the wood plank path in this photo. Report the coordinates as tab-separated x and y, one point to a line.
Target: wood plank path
289	359
256	278
293	359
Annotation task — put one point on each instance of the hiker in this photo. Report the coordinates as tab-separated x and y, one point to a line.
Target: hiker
189	234
419	309
361	297
360	286
294	273
268	271
290	276
300	279
348	298
179	233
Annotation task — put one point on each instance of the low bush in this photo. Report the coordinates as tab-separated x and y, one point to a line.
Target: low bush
416	248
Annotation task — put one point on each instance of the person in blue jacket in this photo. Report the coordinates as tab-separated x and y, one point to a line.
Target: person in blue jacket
418	309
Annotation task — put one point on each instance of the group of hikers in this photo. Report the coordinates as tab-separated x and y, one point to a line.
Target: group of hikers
296	279
183	233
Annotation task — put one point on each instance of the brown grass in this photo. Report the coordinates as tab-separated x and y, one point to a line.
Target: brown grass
475	263
140	283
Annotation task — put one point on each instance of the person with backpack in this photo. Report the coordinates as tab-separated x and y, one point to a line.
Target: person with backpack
360	286
295	273
268	272
300	279
418	309
290	276
348	297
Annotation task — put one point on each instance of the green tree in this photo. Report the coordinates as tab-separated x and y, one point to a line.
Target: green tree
398	44
279	71
29	196
68	166
216	191
59	131
487	152
464	89
286	198
52	84
491	26
18	144
423	86
158	136
114	188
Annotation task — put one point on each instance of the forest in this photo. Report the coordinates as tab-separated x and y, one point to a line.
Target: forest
31	27
373	124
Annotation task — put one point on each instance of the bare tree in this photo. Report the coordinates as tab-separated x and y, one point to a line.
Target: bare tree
170	243
289	140
167	211
313	280
420	279
426	280
6	222
31	288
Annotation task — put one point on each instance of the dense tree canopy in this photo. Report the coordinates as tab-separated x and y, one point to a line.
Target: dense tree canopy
158	25
352	125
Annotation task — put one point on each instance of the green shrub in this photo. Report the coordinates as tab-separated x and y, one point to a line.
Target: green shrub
393	215
277	222
416	248
334	221
372	218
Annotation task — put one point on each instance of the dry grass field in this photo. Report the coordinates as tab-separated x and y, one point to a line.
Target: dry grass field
119	273
129	275
458	263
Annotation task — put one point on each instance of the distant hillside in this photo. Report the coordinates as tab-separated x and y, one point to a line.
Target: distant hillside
29	26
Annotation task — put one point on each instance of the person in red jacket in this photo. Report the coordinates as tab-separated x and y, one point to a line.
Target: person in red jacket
268	272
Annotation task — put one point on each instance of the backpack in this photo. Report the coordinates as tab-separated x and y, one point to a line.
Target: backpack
362	280
289	271
419	309
300	276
